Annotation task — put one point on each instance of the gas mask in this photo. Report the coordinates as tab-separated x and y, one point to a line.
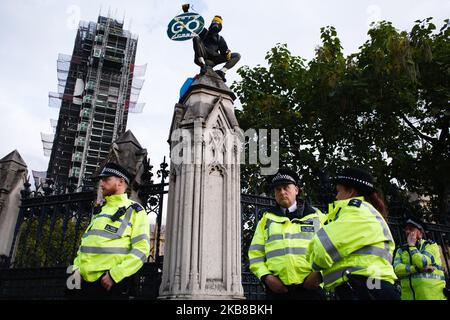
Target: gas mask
215	27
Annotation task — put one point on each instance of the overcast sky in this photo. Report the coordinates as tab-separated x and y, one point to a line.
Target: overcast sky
33	32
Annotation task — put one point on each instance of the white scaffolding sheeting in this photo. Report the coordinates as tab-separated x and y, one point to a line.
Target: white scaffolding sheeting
136	107
134	96
63	62
53	124
62	68
136	86
39	177
47	137
137	83
54	99
47	143
139	71
61	86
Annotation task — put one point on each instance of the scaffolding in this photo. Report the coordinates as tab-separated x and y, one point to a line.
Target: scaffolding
62	67
47	143
94	77
98	85
53	124
137	74
39	178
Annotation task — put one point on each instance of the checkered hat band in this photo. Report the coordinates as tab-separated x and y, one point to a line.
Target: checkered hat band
357	180
283	177
116	173
414	224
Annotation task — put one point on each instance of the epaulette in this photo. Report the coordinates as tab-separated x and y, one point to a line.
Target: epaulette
429	241
355	203
97	208
116	216
137	207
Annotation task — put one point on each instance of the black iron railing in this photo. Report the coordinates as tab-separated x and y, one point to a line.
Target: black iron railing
252	208
50	226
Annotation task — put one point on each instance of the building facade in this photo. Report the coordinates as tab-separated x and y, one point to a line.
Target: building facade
98	85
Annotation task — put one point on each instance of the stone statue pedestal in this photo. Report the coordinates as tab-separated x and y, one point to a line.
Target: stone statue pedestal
202	258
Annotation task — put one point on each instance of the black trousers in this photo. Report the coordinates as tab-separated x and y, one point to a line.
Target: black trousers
95	291
296	292
211	59
356	289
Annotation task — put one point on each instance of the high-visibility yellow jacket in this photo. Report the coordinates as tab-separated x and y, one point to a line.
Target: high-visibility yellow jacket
356	238
279	245
418	285
120	247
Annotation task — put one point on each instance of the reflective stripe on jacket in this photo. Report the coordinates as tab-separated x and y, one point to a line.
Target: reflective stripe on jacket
356	239
279	246
120	247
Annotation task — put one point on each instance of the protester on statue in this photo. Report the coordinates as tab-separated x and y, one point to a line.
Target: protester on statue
277	251
354	249
116	242
418	265
211	49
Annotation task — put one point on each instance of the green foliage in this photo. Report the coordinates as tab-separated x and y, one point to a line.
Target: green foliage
385	107
50	242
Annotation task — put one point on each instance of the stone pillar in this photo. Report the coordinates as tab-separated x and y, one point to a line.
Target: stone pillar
13	175
202	257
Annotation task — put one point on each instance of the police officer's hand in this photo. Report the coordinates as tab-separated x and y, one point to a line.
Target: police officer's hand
107	282
274	284
313	281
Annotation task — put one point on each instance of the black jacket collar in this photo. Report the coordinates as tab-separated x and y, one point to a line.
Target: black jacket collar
303	209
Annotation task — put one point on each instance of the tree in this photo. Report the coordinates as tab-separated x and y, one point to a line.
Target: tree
384	107
49	241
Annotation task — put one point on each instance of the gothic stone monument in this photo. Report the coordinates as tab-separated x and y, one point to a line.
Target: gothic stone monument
13	175
202	258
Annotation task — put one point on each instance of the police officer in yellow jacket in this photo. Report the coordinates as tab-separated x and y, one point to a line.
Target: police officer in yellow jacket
277	251
116	242
354	249
418	265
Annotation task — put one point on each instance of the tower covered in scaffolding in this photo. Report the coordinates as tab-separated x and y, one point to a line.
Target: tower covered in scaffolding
98	85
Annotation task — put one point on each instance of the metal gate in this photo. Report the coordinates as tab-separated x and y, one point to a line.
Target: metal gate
50	226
